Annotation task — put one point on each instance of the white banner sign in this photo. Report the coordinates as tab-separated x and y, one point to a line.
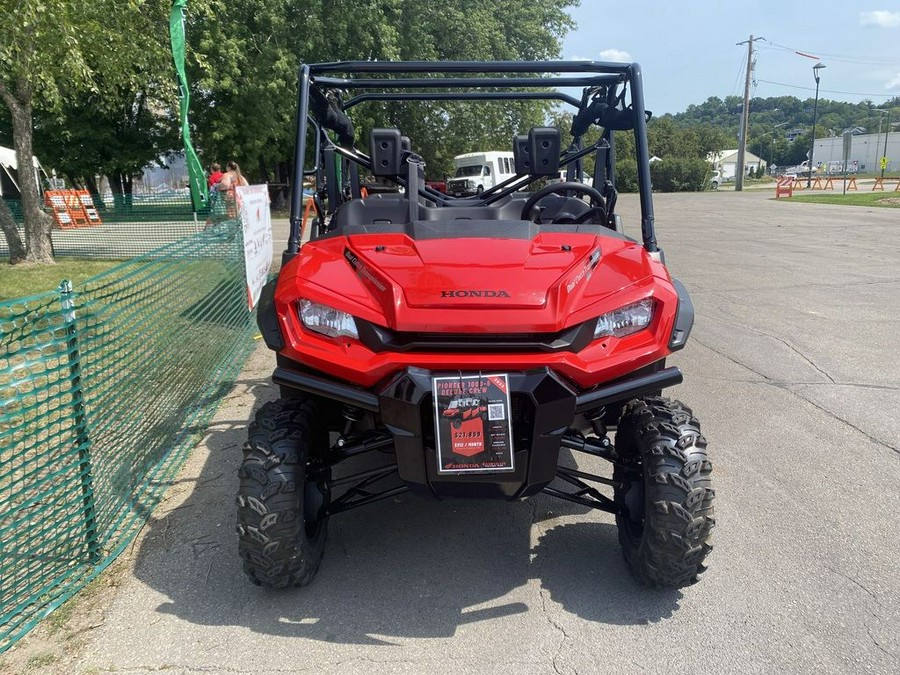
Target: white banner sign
253	205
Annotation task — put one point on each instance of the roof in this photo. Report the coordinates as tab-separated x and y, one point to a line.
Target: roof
8	158
731	156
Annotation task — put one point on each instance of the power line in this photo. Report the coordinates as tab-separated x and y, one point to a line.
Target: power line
830	91
847	58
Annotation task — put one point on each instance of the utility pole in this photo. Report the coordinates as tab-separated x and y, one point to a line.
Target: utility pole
745	116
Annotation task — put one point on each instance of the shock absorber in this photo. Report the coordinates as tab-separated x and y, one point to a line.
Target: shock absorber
351	416
596	417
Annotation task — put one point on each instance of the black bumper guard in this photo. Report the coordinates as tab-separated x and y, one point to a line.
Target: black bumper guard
595	398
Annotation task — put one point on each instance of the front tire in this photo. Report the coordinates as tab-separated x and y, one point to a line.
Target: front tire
664	494
283	494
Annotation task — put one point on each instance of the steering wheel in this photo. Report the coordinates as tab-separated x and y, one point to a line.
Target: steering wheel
555	188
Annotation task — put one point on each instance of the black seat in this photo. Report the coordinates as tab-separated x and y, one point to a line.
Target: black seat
375	210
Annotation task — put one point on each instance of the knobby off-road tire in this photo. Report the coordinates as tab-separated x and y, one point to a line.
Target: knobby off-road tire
281	534
665	498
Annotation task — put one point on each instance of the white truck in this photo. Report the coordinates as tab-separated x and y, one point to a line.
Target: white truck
480	171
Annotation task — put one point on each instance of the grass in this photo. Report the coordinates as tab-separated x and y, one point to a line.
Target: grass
19	281
886	199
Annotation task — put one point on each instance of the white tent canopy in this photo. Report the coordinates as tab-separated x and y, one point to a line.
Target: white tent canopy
8	164
8	159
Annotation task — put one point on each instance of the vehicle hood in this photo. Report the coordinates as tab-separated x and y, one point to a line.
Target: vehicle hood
547	283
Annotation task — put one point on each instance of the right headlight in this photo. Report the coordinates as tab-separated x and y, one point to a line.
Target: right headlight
327	320
625	320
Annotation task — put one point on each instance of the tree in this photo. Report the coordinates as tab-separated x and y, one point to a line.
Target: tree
51	50
244	58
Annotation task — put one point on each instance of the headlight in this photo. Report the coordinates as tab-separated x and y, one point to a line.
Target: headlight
625	320
327	320
470	183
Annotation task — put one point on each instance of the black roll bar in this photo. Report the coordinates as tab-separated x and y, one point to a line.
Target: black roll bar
468	96
550	74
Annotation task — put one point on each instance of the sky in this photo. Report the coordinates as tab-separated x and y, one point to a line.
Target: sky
688	51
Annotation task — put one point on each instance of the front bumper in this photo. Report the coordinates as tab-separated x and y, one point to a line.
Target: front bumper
460	190
543	408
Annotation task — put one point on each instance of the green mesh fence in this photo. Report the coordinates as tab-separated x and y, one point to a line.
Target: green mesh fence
131	227
104	388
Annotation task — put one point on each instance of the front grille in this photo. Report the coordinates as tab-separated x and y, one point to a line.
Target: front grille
381	339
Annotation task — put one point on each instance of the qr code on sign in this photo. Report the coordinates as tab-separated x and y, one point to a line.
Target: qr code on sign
496	412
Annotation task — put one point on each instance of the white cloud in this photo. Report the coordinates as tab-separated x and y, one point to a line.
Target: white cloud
880	18
617	55
579	57
893	84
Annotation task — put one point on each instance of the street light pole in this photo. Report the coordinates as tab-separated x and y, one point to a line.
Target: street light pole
812	152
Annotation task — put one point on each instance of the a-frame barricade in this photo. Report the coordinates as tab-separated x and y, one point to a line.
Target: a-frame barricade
87	204
56	202
784	188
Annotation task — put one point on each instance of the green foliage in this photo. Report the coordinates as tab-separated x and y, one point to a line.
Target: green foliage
119	124
679	174
244	58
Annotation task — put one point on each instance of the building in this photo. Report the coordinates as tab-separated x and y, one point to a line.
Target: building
866	150
726	162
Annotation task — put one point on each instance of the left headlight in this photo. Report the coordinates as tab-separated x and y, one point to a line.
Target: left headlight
625	320
327	320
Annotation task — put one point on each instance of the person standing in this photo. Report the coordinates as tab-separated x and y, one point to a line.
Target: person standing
215	175
232	179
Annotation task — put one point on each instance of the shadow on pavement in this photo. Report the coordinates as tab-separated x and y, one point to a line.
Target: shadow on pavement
406	567
581	566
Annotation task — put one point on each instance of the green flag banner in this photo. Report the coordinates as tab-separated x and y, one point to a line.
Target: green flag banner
196	176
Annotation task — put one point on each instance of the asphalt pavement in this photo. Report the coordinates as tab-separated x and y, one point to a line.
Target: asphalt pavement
792	370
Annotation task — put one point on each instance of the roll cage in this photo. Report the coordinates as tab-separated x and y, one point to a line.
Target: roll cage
605	86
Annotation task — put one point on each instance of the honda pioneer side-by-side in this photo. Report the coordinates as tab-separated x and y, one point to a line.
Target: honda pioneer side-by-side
468	340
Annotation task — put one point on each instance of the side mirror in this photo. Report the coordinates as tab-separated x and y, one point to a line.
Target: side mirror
313	147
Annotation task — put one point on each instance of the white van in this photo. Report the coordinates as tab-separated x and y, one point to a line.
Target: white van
480	171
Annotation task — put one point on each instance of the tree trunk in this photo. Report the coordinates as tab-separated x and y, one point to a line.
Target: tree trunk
121	185
94	190
263	172
38	225
11	232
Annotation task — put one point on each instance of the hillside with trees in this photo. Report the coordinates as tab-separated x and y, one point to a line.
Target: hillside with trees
765	140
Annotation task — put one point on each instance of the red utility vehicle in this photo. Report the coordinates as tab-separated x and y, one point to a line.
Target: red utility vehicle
535	304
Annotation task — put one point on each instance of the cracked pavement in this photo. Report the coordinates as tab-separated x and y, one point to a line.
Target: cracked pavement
792	370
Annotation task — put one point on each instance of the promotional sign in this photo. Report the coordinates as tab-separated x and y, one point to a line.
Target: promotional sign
473	426
253	206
